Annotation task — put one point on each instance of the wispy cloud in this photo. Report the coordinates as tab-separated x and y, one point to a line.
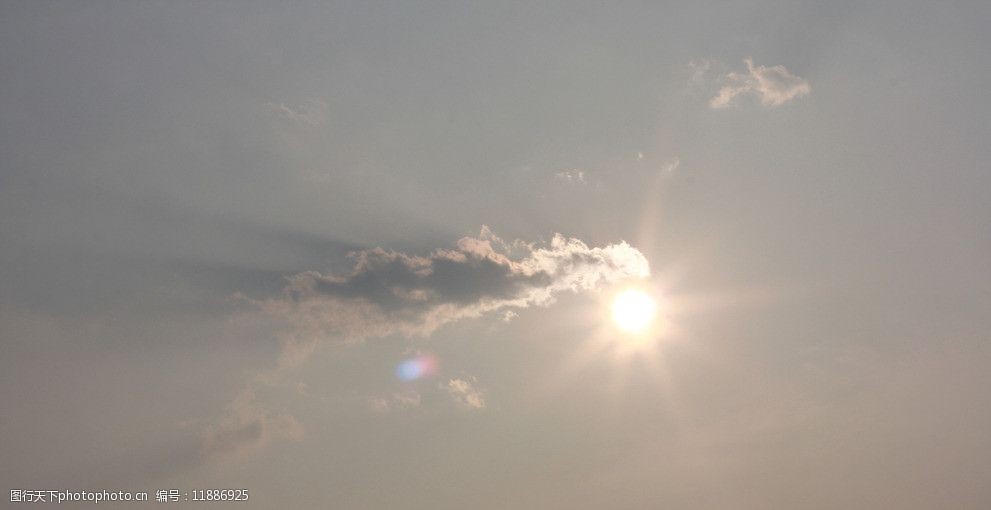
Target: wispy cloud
396	401
245	426
773	86
312	112
699	70
573	176
465	392
671	166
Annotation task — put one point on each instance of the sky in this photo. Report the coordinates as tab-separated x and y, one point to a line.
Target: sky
363	254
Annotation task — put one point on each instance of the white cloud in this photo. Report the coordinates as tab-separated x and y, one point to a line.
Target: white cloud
464	392
574	176
671	166
773	86
312	112
699	70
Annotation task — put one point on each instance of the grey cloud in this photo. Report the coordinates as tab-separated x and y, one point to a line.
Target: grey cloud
390	292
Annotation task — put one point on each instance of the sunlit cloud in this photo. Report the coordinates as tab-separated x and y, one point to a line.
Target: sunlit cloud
465	393
772	85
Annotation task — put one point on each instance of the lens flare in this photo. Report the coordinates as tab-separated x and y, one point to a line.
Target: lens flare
419	367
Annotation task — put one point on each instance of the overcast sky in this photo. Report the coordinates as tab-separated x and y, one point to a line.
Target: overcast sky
361	255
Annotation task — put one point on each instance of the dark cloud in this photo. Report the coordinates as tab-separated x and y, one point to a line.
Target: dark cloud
390	292
395	281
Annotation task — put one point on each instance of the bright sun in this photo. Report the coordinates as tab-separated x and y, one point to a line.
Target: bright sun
633	311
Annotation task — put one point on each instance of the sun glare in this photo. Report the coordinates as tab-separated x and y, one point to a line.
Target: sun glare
633	311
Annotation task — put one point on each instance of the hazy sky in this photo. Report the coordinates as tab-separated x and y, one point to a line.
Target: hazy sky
361	255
